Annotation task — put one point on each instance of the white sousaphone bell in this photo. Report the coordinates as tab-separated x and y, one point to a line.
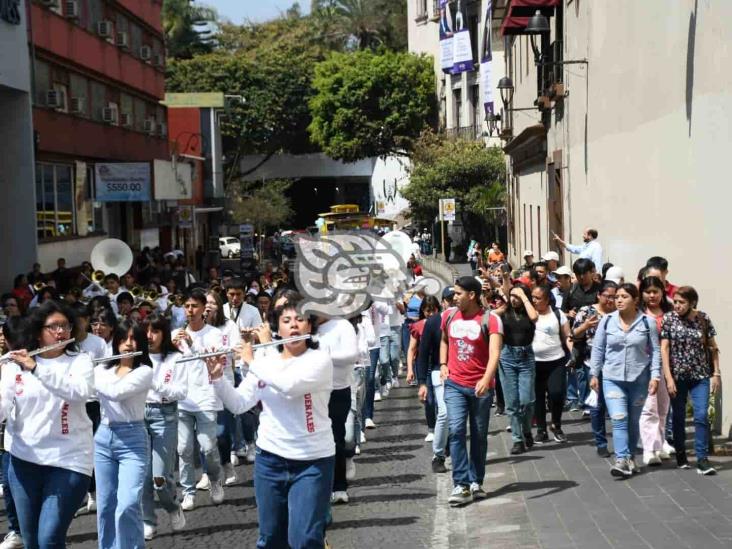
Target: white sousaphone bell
402	245
112	256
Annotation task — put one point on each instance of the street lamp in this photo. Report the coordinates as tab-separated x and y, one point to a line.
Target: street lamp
505	86
538	26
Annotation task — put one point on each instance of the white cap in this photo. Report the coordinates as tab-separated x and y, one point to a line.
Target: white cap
551	256
527	253
615	274
563	271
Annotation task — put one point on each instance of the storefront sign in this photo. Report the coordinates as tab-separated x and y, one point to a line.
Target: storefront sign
185	217
126	182
172	180
10	11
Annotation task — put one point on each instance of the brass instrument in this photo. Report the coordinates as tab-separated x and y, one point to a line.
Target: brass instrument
38	286
97	277
178	299
201	356
150	295
136	292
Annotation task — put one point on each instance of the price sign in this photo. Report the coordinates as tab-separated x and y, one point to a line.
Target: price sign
124	182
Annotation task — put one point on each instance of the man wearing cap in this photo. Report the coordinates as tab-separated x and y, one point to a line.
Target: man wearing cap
615	274
591	249
563	276
552	263
528	261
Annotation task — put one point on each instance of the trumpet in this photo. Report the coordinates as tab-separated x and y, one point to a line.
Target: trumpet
38	286
178	300
6	357
150	295
97	277
136	292
201	356
116	357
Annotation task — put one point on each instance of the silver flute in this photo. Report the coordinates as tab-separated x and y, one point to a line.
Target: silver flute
201	356
6	357
116	357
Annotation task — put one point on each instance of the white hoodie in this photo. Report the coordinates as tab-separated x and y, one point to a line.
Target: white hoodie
170	380
294	422
337	337
46	412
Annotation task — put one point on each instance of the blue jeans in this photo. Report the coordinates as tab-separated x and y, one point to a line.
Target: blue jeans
46	499
597	418
698	390
8	496
461	405
162	429
203	426
293	500
405	336
224	438
121	460
583	384
389	355
518	374
625	400
441	427
368	403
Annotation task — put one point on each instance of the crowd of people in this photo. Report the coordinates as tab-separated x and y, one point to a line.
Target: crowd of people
163	375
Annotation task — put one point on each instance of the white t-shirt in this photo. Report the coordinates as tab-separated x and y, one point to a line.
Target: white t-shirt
338	338
122	399
247	316
547	337
94	346
170	380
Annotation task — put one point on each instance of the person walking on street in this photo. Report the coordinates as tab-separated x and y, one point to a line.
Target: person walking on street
626	352
591	249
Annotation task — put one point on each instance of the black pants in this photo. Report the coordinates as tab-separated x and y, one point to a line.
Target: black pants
338	408
551	379
95	414
430	405
500	401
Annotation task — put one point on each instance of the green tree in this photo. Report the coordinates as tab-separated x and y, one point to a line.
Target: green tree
266	206
187	28
371	104
464	170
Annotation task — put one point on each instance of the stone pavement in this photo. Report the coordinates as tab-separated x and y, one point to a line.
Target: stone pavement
555	496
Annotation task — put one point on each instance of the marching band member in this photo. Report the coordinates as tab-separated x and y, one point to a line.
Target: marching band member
121	445
244	315
48	434
169	385
103	324
293	472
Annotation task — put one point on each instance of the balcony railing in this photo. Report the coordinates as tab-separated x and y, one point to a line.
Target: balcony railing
471	133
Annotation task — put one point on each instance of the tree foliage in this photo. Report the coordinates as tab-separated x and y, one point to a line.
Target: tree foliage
455	168
264	206
370	104
187	28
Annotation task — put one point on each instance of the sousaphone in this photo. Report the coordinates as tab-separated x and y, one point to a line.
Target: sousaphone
112	256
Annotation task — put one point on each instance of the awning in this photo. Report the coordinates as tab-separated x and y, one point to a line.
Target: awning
212	209
529	137
518	13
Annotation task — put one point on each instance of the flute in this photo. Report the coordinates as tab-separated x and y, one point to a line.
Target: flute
6	357
116	357
201	356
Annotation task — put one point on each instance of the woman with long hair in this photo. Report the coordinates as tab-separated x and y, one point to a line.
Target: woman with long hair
691	367
169	385
626	351
653	417
103	323
121	443
293	472
518	367
48	433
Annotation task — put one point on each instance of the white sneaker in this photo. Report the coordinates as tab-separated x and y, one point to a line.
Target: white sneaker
204	483
12	541
234	459
91	503
430	437
650	458
350	469
357	451
370	423
241	452
2	490
377	398
217	492
251	453
229	475
189	502
177	520
362	440
339	497
667	451
395	383
149	531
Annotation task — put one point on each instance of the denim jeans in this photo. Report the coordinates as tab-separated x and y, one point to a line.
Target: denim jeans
162	429
224	438
338	408
370	391
441	427
46	499
293	501
121	453
583	384
597	417
518	373
698	390
354	421
625	400
389	355
203	426
10	511
462	404
572	387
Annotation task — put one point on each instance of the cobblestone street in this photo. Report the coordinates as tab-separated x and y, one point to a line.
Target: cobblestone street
553	497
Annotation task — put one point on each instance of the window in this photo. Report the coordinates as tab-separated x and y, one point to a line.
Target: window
458	119
477	107
54	200
473	26
95	13
135	39
63	94
140	114
79	88
98	101
531	227
42	80
421	9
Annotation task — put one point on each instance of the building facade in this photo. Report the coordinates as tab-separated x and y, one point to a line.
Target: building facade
623	126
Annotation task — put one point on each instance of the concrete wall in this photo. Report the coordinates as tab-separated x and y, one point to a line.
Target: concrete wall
645	138
290	166
75	251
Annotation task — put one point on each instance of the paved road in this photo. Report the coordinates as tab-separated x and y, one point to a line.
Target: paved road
553	497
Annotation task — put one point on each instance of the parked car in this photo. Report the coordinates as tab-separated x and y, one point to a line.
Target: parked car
229	246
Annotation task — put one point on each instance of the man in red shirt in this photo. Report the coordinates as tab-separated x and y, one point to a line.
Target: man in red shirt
658	266
469	353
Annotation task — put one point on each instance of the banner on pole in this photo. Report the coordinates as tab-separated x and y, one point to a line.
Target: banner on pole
446	36
486	61
462	47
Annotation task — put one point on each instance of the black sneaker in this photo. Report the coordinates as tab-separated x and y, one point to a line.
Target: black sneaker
438	465
528	441
518	448
621	468
703	467
541	437
559	435
682	461
603	452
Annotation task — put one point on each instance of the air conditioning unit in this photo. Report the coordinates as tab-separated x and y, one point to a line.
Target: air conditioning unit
159	60
149	126
104	29
145	53
109	115
71	9
55	99
162	129
125	120
123	40
78	105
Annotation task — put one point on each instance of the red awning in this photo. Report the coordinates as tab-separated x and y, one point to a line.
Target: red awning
518	13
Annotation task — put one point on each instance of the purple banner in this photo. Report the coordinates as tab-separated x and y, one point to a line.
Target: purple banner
462	48
447	25
486	61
